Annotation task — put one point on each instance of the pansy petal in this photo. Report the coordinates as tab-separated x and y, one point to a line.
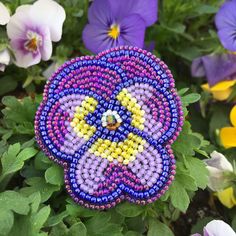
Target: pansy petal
24	59
225	23
17	25
132	30
96	38
226	15
95	181
219	227
100	13
145	9
216	67
233	116
219	161
5	57
148	166
216	179
4	14
227	39
197	68
62	125
228	137
90	173
226	197
86	74
46	48
221	91
51	14
139	63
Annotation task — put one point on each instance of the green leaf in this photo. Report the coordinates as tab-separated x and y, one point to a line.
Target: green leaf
132	233
54	175
59	230
190	98
186	141
40	218
76	210
13	159
8	84
182	91
129	210
186	181
101	225
6	222
198	171
11	200
19	114
98	221
178	196
136	224
56	219
206	9
38	184
35	200
158	228
22	226
201	223
77	229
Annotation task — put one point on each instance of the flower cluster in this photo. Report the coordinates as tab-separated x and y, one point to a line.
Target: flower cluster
220	71
116	23
109	121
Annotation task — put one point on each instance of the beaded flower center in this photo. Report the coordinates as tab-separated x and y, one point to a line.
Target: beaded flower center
111	120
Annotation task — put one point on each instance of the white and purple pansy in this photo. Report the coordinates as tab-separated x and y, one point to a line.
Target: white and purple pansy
110	120
32	29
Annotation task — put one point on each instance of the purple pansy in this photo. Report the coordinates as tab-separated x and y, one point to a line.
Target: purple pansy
215	67
32	29
226	25
116	23
110	120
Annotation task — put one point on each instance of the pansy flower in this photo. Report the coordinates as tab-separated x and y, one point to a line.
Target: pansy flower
109	120
217	228
32	29
225	21
116	23
220	71
218	166
228	134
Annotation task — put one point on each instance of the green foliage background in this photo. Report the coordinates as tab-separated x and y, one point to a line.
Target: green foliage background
32	196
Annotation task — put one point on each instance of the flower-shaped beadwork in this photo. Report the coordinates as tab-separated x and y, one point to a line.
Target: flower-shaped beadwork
110	120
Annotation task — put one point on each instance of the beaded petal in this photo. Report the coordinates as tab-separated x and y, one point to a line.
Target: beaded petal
109	121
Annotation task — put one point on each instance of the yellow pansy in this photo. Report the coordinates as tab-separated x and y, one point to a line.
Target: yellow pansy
220	91
227	197
228	134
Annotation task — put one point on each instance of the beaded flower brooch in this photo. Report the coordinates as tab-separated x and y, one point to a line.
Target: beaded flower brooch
109	121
